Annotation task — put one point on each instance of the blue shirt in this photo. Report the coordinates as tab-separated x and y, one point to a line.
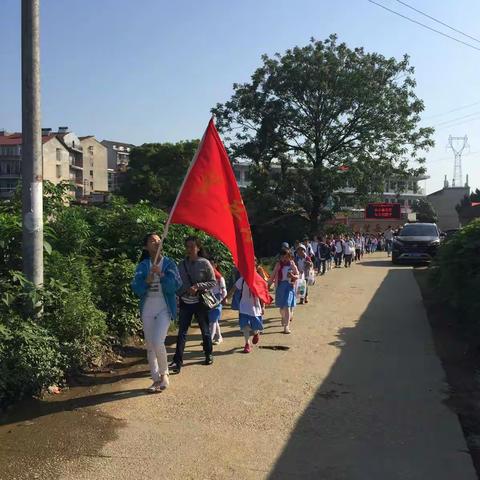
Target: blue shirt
170	283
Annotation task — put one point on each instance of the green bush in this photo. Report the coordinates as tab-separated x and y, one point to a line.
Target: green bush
30	360
456	272
70	313
30	356
115	297
86	302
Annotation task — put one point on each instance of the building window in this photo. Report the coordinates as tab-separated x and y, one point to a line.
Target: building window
91	173
90	150
91	185
59	154
59	171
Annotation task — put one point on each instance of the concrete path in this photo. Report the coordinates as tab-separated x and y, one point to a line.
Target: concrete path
357	396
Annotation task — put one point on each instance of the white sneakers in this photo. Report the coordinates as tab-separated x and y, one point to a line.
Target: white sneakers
158	386
164	383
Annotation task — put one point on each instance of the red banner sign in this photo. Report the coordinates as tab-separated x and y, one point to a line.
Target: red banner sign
385	211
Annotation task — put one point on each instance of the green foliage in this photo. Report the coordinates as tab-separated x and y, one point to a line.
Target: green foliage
425	211
114	296
319	118
456	273
466	212
337	229
30	356
156	171
86	302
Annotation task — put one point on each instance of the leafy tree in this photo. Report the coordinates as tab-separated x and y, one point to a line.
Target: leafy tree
319	118
467	200
425	211
466	212
156	171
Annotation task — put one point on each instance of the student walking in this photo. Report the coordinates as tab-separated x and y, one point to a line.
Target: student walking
304	265
358	247
338	252
215	314
285	275
197	276
325	256
348	249
250	315
388	236
156	286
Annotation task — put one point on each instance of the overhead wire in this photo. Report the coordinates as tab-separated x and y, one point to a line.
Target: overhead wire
457	119
438	21
425	26
451	111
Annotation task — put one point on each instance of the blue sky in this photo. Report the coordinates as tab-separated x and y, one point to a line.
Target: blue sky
150	70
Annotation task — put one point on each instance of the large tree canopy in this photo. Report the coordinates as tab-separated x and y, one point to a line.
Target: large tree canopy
156	171
425	211
322	117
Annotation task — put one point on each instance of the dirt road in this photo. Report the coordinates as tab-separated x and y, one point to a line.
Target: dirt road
358	395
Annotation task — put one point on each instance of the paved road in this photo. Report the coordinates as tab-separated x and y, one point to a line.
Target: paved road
357	396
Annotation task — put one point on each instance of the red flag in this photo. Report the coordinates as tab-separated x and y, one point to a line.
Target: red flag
210	200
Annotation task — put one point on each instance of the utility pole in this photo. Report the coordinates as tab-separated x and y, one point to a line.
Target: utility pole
457	145
32	162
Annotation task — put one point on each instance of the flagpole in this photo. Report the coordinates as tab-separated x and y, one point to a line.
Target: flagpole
169	219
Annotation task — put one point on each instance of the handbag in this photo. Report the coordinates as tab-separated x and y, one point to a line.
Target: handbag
207	298
237	298
301	288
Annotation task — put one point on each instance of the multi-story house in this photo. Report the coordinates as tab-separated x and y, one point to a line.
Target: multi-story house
66	157
56	164
95	174
396	190
118	154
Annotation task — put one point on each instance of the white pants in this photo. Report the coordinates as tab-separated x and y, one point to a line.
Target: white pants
156	320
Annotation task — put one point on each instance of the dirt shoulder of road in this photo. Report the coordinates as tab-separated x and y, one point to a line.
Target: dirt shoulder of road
459	352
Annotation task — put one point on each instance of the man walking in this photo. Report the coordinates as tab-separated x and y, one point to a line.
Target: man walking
388	236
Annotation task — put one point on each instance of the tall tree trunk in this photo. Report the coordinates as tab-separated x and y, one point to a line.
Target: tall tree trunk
314	215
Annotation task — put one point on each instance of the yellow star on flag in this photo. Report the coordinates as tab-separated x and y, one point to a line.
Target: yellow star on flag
207	182
236	209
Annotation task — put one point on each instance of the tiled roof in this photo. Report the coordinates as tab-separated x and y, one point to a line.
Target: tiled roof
16	139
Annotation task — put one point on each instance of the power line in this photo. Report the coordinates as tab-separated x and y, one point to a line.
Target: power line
457	119
451	111
468	120
425	26
438	21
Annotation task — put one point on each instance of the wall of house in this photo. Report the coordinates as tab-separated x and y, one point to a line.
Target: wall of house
94	166
444	202
56	166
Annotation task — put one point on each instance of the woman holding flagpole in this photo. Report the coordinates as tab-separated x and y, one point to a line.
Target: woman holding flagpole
285	274
197	276
155	282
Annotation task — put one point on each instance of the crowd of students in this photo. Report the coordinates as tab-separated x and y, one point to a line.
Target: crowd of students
196	289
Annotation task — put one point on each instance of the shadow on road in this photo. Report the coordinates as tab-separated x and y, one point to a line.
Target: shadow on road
375	415
32	409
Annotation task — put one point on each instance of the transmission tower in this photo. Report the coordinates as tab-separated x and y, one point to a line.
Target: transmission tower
457	145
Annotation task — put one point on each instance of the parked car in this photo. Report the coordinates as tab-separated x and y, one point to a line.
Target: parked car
416	242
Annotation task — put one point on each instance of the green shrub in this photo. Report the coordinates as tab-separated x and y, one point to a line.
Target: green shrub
456	272
115	297
30	360
87	301
70	313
